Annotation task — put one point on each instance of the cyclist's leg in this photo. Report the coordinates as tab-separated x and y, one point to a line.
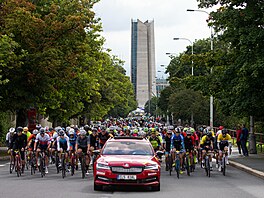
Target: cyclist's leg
220	159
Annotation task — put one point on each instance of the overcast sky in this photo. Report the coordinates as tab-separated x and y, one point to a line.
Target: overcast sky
170	20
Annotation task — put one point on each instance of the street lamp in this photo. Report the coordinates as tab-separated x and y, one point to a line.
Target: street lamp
191	45
212	48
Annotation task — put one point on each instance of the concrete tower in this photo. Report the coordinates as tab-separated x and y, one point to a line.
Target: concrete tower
143	66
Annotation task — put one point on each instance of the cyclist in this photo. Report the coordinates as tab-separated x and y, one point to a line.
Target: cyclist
83	146
103	137
167	146
9	137
63	145
72	140
19	142
206	144
31	142
177	144
189	142
26	132
94	139
42	143
223	141
154	140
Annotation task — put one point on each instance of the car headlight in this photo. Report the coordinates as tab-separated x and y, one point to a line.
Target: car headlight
152	167
102	166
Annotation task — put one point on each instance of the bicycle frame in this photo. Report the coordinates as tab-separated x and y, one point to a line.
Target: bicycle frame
17	162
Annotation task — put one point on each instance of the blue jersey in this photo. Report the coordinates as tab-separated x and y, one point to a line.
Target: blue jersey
177	142
73	140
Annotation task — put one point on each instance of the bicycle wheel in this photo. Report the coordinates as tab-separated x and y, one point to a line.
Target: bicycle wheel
83	164
63	168
224	165
57	162
187	165
177	167
72	164
11	165
208	168
170	164
42	166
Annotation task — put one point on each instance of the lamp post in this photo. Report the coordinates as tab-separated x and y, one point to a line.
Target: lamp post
191	45
212	48
192	66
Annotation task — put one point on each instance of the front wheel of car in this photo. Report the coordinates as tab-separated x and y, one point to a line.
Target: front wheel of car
155	188
98	187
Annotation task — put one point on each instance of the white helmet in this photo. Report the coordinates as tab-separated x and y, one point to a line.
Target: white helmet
71	131
82	132
35	131
12	130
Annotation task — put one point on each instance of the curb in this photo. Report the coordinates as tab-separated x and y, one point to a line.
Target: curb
247	169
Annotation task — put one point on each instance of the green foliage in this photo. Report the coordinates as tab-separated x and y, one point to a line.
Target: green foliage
65	72
4	125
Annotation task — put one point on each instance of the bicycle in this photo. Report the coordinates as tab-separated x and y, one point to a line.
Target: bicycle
42	166
18	167
187	163
177	164
33	162
224	160
82	159
57	160
12	163
63	166
207	163
73	159
169	162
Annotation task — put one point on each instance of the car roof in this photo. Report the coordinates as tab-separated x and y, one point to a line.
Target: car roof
124	138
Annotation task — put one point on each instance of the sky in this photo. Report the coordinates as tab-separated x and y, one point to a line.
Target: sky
171	20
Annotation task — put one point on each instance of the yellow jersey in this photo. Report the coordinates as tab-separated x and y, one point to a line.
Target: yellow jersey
220	138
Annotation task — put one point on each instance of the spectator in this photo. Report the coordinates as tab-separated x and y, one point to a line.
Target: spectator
238	134
243	140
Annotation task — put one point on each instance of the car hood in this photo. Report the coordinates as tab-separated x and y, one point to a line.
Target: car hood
127	160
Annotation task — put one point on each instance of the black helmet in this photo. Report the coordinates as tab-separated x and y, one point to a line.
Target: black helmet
224	131
209	134
42	131
19	129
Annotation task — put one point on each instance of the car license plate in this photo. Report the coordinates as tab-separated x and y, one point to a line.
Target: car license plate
127	177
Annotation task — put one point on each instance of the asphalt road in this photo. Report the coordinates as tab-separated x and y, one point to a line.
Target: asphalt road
235	184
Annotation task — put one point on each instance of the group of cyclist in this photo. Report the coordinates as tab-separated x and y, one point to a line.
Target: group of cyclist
84	140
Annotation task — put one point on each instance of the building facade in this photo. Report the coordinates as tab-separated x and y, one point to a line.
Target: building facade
161	83
143	67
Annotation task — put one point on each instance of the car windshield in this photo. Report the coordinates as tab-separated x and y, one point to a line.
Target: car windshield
127	148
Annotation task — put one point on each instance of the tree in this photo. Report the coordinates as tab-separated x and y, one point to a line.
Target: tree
64	73
241	25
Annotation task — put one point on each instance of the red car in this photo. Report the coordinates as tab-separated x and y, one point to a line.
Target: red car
127	161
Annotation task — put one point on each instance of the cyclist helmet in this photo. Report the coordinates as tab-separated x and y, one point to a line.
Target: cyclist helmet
146	129
188	132
192	130
221	127
209	134
25	129
35	131
83	132
12	130
71	131
42	131
19	129
68	129
46	129
224	131
169	132
38	126
205	131
177	130
170	127
61	133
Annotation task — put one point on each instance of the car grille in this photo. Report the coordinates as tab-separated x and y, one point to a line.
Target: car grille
118	169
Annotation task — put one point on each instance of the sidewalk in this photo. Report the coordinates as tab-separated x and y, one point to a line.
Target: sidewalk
253	164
